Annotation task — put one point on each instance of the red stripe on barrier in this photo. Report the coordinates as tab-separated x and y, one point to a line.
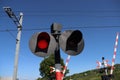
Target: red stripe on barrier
58	76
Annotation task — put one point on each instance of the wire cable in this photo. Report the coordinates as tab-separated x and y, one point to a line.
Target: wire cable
86	27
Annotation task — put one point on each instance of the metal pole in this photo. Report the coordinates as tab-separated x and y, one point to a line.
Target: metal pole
17	47
18	22
105	65
55	30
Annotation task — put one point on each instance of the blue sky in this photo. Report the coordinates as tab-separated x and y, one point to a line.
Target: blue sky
98	20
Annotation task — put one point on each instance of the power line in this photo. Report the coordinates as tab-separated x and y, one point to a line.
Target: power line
88	13
52	11
6	30
11	34
64	14
91	27
86	27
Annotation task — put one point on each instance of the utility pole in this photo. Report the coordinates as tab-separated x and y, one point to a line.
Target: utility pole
18	23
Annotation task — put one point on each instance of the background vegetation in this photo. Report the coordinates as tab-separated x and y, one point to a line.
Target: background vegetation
93	75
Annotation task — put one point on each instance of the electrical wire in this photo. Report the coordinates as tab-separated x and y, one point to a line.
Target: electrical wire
53	11
86	27
88	13
11	34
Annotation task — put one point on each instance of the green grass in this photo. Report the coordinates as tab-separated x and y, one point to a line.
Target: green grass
93	75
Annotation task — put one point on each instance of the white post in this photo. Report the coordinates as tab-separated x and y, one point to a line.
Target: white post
17	47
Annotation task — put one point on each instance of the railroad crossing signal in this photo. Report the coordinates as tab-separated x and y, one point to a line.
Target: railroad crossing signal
42	44
71	42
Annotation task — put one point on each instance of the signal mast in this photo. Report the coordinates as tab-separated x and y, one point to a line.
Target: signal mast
43	44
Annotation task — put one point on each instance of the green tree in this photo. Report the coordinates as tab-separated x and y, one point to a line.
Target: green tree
45	68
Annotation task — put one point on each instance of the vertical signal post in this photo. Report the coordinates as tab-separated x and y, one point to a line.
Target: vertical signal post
104	63
55	31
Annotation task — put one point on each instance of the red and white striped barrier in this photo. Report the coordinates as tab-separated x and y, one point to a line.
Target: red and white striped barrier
52	69
114	55
59	73
99	64
104	63
66	64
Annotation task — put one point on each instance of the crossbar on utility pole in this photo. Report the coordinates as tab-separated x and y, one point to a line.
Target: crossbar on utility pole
18	22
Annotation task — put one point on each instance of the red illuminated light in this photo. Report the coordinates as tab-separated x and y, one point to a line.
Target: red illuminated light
43	44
